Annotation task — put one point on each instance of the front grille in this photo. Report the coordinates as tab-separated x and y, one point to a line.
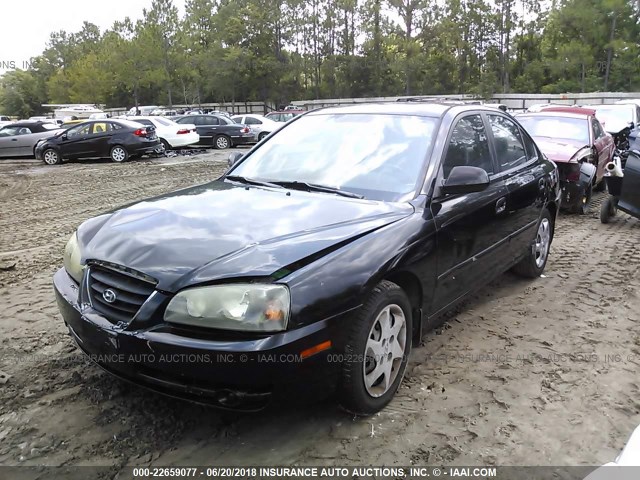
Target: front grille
128	290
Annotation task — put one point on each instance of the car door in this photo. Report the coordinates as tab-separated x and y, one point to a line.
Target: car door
522	172
207	126
24	142
603	143
99	143
8	141
75	143
469	227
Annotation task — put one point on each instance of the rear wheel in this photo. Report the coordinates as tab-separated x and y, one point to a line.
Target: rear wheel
221	142
51	157
119	154
600	187
608	209
582	208
534	263
376	346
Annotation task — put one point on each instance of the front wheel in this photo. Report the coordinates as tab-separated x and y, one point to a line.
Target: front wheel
376	346
262	135
119	154
51	157
534	263
221	142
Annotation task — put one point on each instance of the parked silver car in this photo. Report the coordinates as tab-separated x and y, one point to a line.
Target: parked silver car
20	138
260	125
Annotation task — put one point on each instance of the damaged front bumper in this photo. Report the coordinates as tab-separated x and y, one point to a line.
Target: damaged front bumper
231	372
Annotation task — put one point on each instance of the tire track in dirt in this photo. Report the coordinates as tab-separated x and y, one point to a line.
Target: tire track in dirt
509	378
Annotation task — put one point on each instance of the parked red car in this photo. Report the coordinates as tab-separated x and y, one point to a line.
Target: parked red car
576	141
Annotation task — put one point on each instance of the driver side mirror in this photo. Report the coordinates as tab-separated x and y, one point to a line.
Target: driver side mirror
464	179
234	158
64	137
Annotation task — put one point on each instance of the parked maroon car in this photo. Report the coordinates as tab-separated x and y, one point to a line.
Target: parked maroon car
576	141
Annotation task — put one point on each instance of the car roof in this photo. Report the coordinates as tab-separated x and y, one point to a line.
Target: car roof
576	110
424	109
558	114
27	123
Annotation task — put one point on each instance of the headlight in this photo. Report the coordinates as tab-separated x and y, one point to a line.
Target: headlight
242	306
72	258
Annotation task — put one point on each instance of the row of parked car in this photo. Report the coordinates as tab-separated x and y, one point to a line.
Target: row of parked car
129	136
582	141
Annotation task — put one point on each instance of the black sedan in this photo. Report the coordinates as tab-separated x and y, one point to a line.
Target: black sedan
115	139
316	261
218	131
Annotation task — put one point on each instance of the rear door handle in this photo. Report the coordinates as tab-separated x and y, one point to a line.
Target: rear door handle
14	139
501	205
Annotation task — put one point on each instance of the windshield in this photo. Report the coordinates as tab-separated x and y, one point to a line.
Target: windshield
164	121
557	127
614	114
374	155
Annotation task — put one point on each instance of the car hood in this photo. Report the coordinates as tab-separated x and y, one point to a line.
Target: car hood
560	150
221	230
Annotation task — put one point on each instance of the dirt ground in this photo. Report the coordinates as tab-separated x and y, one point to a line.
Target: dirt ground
540	372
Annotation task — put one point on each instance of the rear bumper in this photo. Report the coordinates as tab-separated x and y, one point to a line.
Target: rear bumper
245	374
183	140
145	148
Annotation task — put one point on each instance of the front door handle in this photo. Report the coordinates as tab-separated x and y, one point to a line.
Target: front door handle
501	205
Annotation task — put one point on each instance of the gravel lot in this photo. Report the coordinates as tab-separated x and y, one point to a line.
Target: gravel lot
540	372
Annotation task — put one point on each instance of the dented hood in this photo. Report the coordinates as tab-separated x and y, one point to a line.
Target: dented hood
559	150
220	230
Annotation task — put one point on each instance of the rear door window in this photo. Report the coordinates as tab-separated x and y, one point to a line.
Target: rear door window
508	142
101	127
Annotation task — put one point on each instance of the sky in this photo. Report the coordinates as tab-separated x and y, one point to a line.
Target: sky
26	25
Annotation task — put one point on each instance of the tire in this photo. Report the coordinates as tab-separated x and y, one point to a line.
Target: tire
534	263
51	157
165	144
221	142
608	210
582	208
360	390
119	154
262	135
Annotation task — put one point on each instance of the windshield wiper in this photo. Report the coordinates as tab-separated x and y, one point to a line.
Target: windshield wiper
312	187
252	181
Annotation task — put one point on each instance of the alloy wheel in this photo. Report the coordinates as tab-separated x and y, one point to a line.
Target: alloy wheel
222	142
50	157
543	241
118	154
385	349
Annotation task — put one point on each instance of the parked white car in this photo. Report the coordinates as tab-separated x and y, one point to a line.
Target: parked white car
260	125
171	134
142	110
4	120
